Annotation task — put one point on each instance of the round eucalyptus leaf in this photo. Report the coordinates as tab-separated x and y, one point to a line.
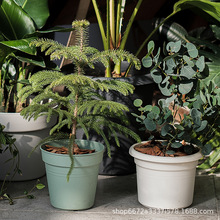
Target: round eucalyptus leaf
150	46
202	96
151	115
202	126
170	152
185	86
156	76
157	56
168	117
150	124
188	149
188	60
179	127
164	88
176	145
156	110
166	129
196	117
174	46
138	102
147	108
170	66
200	63
187	71
206	149
192	50
147	61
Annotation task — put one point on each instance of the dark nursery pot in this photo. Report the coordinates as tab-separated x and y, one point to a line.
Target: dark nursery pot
121	163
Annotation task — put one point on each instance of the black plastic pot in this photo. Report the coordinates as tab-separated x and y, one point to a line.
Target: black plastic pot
121	163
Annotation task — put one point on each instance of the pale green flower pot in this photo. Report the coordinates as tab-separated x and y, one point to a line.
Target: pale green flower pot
79	192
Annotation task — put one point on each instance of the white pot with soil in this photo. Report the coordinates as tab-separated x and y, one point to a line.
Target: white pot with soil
165	182
28	134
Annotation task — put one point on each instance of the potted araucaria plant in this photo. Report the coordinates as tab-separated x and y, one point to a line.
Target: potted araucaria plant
179	127
72	165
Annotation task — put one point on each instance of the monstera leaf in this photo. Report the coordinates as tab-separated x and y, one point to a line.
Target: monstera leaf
18	19
39	13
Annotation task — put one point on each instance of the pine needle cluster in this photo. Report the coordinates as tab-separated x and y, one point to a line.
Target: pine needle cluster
83	107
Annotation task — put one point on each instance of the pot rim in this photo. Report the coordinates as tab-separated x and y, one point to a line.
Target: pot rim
79	155
159	159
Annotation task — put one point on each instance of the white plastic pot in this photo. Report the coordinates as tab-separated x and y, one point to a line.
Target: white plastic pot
28	134
165	182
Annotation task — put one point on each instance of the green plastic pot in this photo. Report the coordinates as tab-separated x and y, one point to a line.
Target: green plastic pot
79	192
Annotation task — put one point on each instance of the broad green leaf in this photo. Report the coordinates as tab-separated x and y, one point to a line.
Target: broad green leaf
21	45
36	60
174	31
212	159
209	7
216	30
15	23
37	10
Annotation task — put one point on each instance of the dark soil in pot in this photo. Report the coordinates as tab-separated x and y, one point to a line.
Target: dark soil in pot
65	150
157	148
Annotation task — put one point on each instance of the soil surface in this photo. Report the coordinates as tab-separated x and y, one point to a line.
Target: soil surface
155	148
65	150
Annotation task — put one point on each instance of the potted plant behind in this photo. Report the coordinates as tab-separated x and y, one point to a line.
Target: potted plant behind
166	164
114	33
72	174
20	25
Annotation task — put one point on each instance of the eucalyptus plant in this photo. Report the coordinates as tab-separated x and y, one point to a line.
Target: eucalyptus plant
207	40
83	107
179	74
112	35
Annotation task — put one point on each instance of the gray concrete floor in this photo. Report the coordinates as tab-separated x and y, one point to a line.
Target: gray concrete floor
116	197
